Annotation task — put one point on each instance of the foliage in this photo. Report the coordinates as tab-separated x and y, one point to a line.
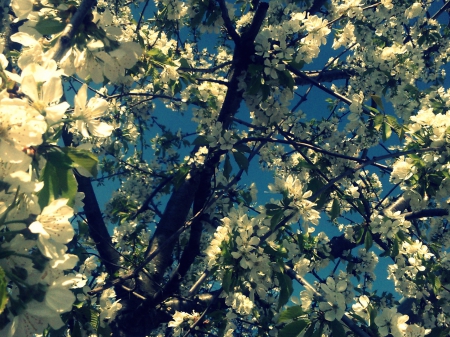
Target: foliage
184	106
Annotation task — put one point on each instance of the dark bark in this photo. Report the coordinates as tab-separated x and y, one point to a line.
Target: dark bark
139	316
97	227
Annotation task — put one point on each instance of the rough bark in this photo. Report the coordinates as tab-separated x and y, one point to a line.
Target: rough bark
139	316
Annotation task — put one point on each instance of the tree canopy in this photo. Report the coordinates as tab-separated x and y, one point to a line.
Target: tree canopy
172	112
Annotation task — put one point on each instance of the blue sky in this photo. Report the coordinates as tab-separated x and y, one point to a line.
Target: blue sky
314	107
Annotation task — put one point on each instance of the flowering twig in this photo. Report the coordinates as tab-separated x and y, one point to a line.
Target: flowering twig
346	320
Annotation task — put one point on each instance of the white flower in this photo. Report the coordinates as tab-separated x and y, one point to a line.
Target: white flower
178	318
45	97
20	128
390	321
22	8
240	303
334	308
415	10
332	287
402	170
54	223
59	299
387	3
87	115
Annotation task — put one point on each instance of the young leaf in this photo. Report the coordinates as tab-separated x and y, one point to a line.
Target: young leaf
3	290
335	210
337	328
276	218
378	121
291	313
227	167
83	159
387	131
368	241
58	178
293	329
378	101
286	289
241	160
226	282
201	140
49	27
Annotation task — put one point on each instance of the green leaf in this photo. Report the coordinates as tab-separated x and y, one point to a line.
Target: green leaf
227	280
184	63
359	318
395	248
94	319
227	167
276	218
378	101
201	141
272	207
241	160
378	121
76	331
293	329
297	65
242	148
318	332
337	328
435	281
180	176
335	210
439	332
3	290
286	289
49	26
286	79
291	313
310	330
387	131
58	178
83	159
368	241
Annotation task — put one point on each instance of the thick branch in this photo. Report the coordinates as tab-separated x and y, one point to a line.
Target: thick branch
241	61
324	76
68	33
97	227
426	213
227	22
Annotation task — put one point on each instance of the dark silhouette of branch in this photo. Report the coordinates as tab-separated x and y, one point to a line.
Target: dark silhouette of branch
426	213
97	227
206	70
317	4
324	76
441	10
227	22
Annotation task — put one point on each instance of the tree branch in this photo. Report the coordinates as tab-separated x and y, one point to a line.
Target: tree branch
370	162
228	24
68	33
97	227
206	70
346	320
324	76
